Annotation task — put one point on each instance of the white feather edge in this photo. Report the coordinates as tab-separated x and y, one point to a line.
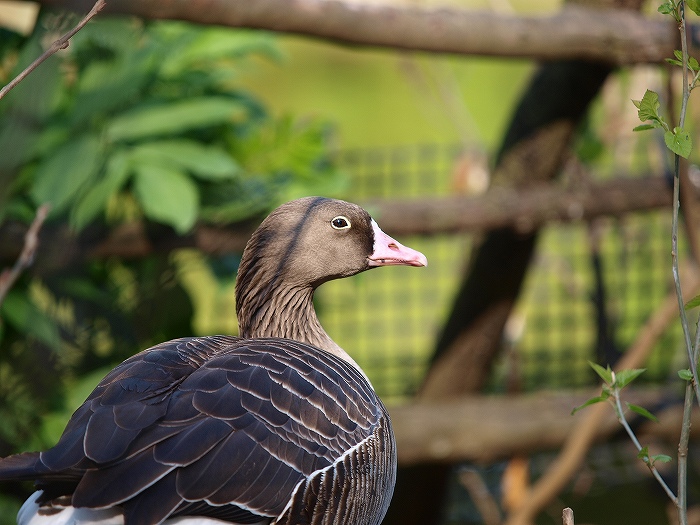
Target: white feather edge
29	515
321	472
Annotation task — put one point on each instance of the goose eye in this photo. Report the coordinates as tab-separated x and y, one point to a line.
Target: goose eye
340	223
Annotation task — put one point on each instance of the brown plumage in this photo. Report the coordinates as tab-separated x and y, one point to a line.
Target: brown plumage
278	425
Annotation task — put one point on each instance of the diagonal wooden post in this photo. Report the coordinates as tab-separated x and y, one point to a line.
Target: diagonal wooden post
533	151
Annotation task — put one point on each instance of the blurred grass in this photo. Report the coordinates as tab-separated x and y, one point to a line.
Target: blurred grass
381	98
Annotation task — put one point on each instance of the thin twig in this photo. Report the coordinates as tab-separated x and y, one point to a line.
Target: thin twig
481	497
683	457
691	352
580	439
31	241
59	44
690	204
647	460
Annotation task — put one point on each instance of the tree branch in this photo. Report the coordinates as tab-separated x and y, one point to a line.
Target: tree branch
9	276
59	44
487	428
576	32
524	210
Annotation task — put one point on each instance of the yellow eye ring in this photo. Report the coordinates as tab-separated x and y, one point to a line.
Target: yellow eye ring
340	223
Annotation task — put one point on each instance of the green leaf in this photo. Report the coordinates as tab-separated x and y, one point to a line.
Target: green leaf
591	401
216	44
649	106
175	118
51	138
23	314
644	127
115	34
674	62
63	174
106	88
666	8
695	301
663	458
693	64
604	373
685	375
95	199
694	5
642	412
679	142
206	162
650	460
167	195
625	377
643	454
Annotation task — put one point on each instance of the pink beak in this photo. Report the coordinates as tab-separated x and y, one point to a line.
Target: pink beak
389	252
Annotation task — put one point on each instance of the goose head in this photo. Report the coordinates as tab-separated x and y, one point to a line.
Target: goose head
299	246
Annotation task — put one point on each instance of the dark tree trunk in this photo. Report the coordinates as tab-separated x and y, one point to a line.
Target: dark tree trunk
533	152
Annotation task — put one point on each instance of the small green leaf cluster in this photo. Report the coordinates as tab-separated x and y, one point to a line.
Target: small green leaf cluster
613	382
677	139
693	67
677	60
685	374
651	460
672	7
146	119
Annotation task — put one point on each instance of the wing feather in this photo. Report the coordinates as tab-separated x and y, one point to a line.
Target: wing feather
105	487
232	457
154	504
219	423
192	443
105	441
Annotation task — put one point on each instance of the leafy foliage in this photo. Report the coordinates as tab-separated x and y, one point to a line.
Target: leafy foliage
677	139
642	412
685	374
679	142
150	111
613	382
651	460
134	121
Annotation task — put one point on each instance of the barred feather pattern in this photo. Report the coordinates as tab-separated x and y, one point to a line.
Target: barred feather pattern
242	430
354	490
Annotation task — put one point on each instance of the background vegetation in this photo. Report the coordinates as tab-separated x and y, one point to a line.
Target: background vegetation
177	125
137	122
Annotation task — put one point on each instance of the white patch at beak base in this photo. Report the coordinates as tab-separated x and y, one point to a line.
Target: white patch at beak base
389	252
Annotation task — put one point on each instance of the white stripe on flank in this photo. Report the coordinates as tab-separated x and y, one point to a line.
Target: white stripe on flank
29	515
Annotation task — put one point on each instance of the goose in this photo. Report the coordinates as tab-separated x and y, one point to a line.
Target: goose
278	425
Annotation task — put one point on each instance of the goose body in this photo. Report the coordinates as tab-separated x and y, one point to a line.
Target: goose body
277	426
